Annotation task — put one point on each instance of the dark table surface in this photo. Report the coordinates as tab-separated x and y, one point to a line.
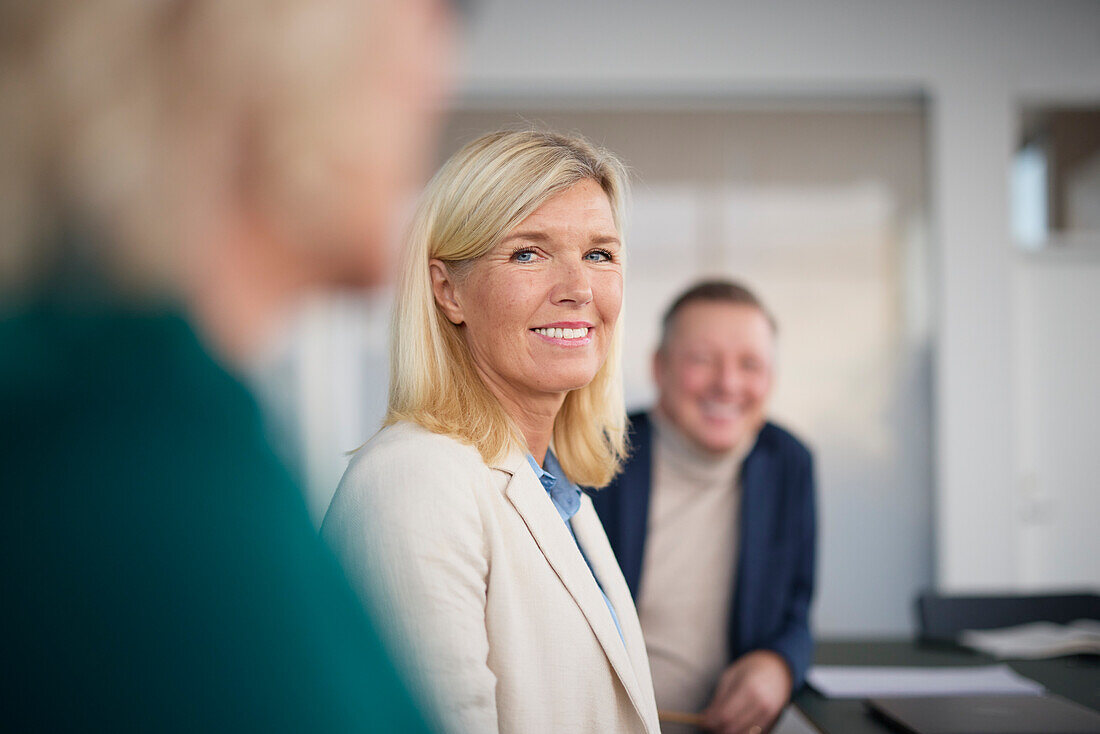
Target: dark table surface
1076	678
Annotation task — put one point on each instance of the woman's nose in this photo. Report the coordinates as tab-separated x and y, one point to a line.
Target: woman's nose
573	285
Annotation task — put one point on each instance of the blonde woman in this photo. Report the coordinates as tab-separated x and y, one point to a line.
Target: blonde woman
177	177
506	394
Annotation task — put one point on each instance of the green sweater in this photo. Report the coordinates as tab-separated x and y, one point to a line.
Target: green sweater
160	572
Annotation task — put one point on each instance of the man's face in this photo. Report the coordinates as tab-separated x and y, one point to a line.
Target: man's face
715	373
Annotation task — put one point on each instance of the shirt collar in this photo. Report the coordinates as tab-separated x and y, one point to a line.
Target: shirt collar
565	495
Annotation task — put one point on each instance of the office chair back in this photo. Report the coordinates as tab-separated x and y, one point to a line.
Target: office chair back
942	618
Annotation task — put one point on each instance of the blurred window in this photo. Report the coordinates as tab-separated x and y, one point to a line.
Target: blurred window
1056	177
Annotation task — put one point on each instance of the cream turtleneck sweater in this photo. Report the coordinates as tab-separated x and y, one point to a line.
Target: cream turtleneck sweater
688	567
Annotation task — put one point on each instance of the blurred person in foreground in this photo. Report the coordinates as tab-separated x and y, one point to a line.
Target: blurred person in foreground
712	519
506	393
177	175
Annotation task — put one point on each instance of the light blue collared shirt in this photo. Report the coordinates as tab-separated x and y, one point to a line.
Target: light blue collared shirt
566	497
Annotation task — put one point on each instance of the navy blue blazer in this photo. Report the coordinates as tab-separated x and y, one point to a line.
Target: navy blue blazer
774	580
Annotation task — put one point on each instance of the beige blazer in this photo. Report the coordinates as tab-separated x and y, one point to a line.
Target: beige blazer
503	620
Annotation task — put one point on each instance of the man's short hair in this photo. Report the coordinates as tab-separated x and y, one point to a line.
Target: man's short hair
714	291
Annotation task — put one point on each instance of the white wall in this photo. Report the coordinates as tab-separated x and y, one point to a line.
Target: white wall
975	61
1057	302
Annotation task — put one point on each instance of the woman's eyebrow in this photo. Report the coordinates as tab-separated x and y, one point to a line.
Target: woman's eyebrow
540	236
533	235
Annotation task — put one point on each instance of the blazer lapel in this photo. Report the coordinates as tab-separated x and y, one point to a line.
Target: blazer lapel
590	535
530	500
757	508
634	490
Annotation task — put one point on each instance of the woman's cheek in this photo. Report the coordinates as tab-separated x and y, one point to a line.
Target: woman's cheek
611	288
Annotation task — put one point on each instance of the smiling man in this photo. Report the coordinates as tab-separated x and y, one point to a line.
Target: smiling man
712	519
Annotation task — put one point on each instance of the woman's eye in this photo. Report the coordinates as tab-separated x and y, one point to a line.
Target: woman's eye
598	256
524	256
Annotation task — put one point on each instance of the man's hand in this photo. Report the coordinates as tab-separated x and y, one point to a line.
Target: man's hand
750	694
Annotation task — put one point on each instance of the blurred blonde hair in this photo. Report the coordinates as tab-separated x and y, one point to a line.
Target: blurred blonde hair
109	110
481	194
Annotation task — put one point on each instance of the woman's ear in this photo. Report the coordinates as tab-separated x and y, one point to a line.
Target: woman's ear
443	287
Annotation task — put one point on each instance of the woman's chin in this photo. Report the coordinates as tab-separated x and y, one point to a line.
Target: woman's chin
566	383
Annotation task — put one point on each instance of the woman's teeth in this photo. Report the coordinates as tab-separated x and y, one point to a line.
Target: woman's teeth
563	333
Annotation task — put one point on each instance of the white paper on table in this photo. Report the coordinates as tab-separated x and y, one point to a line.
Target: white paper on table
859	681
1036	640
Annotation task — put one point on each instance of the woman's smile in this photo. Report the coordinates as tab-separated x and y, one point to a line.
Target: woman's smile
566	333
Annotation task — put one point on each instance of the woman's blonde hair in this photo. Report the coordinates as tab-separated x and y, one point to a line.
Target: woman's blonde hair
109	108
481	194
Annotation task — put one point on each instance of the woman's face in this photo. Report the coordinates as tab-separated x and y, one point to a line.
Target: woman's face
538	311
